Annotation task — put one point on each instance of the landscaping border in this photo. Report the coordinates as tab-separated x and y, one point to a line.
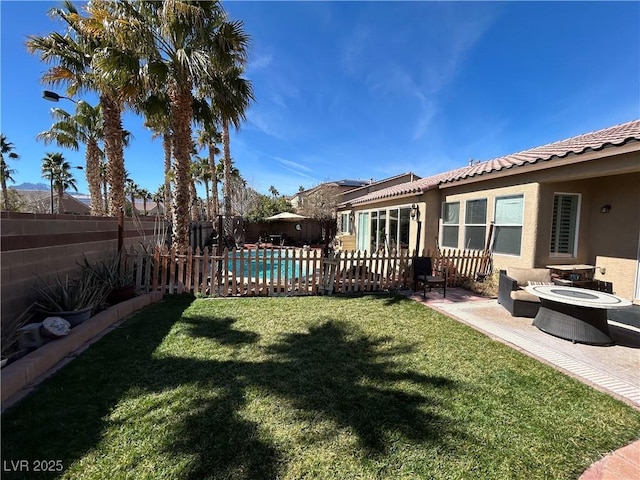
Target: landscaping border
29	370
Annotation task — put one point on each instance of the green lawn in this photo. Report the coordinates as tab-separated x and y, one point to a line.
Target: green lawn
320	387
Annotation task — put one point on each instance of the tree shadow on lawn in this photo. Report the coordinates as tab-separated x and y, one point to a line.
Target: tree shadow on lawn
219	329
329	372
325	373
64	417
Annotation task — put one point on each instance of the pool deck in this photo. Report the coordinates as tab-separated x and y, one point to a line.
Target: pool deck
613	369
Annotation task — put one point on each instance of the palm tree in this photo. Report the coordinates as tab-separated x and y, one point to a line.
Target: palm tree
132	190
6	149
273	191
85	61
202	174
58	171
209	136
179	42
104	181
155	108
232	95
85	127
159	197
145	195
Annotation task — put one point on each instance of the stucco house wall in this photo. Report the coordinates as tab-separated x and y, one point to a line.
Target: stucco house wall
602	168
495	189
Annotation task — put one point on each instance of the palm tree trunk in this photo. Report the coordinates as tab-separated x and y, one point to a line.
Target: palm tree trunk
166	144
112	114
181	114
227	177
214	179
5	201
144	205
60	193
133	204
193	197
106	195
93	176
206	191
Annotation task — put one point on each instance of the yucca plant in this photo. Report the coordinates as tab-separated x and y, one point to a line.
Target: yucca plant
65	295
108	272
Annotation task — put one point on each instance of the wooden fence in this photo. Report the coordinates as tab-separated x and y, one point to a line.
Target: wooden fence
284	271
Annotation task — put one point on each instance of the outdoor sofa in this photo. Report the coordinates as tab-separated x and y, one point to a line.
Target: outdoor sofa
511	293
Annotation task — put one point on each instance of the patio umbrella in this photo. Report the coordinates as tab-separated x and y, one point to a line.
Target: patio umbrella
286	217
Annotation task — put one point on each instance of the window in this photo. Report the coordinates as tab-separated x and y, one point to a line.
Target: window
475	224
403	227
362	238
450	224
564	226
345	223
508	225
383	230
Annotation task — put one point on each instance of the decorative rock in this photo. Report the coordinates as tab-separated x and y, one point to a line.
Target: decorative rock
55	327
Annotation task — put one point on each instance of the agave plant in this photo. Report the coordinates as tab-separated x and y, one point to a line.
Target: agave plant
64	295
10	330
108	272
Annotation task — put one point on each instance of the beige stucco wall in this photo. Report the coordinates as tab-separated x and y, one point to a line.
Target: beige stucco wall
495	189
607	240
610	241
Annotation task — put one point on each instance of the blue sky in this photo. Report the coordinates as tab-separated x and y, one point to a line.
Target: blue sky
364	90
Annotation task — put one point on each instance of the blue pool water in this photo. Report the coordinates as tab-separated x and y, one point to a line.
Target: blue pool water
266	263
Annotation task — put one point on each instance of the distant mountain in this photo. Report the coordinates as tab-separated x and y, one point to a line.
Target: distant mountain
40	186
31	186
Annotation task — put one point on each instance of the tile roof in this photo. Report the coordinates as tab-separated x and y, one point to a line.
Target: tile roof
612	136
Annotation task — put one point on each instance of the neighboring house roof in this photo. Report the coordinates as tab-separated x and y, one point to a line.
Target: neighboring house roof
40	200
337	183
354	193
151	205
352	183
612	136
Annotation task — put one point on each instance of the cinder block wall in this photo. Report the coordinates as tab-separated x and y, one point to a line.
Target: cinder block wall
44	245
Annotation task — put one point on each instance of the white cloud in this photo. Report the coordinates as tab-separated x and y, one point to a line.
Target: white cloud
259	61
294	166
355	45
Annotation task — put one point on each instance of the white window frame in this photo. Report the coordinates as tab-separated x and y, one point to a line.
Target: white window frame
574	253
466	225
345	227
364	238
445	225
497	225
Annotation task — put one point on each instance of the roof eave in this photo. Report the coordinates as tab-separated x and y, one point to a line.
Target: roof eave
544	164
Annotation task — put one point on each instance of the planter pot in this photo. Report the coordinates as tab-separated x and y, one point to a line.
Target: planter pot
121	294
75	317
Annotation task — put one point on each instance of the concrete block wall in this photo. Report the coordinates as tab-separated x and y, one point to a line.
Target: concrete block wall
46	245
29	369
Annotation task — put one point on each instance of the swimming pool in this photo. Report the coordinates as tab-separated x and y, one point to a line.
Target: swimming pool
267	263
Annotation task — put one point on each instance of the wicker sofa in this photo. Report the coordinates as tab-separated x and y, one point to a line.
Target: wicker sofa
513	297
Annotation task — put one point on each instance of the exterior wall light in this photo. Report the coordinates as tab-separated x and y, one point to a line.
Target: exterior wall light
414	211
605	209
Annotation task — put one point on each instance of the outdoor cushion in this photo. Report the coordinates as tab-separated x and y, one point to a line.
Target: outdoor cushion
524	296
523	275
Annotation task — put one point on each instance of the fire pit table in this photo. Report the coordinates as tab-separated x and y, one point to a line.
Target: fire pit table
575	314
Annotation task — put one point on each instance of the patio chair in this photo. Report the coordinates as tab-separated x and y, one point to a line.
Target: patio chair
423	272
